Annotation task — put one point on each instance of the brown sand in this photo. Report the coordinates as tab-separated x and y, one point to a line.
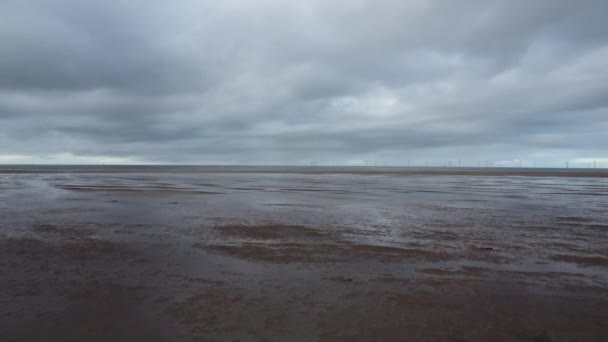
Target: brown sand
254	263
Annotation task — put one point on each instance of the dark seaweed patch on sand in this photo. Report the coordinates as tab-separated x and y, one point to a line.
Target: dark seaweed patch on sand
65	231
583	260
92	249
139	190
270	231
86	249
319	253
573	219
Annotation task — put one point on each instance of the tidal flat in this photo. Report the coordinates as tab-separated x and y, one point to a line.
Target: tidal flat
303	256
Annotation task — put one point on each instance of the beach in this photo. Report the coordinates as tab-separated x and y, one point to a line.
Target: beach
303	254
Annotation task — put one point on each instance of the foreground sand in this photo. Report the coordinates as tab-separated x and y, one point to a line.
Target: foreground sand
302	257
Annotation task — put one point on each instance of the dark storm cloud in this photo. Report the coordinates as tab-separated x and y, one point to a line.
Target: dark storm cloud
268	81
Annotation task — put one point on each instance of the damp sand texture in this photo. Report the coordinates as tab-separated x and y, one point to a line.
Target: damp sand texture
303	256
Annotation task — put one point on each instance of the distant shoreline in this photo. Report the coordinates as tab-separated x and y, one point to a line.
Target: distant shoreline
315	170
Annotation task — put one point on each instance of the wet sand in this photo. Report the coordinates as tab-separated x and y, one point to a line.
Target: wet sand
302	256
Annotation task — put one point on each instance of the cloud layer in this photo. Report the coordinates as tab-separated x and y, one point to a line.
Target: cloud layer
278	82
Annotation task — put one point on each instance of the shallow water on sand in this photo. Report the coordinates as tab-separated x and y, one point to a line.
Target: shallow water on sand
180	256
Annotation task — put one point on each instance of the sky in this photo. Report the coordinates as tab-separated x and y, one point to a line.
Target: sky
341	82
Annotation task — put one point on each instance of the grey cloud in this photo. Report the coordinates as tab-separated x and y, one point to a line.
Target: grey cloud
265	81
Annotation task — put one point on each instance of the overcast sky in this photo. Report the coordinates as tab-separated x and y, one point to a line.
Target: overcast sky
291	82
